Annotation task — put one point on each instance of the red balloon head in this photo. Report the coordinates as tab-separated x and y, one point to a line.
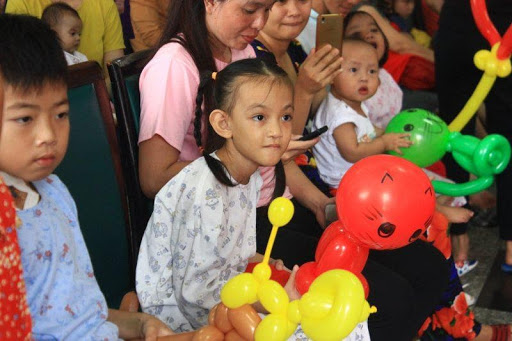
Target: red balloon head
385	202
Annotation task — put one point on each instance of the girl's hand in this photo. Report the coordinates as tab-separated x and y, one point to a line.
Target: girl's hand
152	328
319	69
395	141
296	148
290	289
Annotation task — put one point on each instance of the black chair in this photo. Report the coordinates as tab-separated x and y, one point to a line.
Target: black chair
92	172
124	74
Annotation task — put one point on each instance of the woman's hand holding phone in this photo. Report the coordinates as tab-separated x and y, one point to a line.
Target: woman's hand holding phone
319	69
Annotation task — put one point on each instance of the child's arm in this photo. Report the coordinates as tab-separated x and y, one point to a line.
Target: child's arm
353	151
138	325
379	132
306	192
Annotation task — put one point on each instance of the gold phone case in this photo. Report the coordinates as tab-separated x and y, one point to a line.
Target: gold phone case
329	30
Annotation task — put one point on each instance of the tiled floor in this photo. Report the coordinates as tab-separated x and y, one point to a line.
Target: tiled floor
487	283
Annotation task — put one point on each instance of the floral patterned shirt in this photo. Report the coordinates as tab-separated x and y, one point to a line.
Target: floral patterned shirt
200	235
63	295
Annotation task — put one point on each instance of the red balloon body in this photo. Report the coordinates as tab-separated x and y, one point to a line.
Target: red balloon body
385	202
335	250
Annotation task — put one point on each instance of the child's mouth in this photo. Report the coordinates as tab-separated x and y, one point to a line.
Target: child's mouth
363	90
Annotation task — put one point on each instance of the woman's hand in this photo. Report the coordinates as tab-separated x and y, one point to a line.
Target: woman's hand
295	148
319	69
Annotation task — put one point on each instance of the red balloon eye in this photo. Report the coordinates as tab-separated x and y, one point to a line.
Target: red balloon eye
386	230
415	235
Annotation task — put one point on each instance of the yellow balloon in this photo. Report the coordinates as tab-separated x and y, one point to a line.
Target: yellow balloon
274	327
262	272
333	306
239	290
488	62
273	297
280	211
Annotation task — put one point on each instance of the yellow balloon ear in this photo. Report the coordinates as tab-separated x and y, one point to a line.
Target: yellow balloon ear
280	211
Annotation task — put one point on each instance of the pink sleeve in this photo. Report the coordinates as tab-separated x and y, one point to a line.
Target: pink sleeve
168	87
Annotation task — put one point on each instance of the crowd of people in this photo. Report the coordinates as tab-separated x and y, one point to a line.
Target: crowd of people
226	96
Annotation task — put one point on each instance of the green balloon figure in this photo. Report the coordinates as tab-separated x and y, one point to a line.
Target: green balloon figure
432	139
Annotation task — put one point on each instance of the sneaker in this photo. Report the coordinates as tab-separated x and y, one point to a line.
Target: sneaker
506	268
463	267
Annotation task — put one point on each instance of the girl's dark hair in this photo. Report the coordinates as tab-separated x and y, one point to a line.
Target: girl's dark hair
186	25
351	16
225	88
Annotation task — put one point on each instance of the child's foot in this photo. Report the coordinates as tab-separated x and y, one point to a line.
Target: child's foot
455	214
463	267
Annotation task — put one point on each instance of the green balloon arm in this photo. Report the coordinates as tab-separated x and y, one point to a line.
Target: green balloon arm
463	148
462	143
467	188
492	155
465	161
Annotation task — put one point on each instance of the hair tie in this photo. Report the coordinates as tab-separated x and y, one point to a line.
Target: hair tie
214	75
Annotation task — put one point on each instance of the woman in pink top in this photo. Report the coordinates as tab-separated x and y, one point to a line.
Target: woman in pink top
205	36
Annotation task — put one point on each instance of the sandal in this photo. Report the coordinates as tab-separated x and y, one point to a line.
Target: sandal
500	332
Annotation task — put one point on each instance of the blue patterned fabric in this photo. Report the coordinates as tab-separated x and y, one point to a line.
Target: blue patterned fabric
64	298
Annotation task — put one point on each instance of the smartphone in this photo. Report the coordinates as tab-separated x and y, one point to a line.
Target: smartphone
314	134
330	214
329	30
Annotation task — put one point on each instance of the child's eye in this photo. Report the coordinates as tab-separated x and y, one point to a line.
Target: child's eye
258	117
24	119
372	71
62	115
287	117
353	69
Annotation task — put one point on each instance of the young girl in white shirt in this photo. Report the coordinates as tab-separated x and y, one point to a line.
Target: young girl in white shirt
203	228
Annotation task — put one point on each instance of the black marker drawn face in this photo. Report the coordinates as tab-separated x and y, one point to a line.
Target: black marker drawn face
392	207
429	134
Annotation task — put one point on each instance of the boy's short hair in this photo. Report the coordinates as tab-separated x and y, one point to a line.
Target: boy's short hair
30	53
53	13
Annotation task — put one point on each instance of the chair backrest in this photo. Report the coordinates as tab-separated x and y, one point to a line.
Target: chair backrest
124	75
92	172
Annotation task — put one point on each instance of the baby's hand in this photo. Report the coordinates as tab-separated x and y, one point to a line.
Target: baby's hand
395	141
290	289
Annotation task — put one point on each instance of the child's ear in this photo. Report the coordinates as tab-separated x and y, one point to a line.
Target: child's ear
220	123
209	5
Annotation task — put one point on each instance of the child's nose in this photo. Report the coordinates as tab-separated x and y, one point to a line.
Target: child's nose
274	129
46	134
